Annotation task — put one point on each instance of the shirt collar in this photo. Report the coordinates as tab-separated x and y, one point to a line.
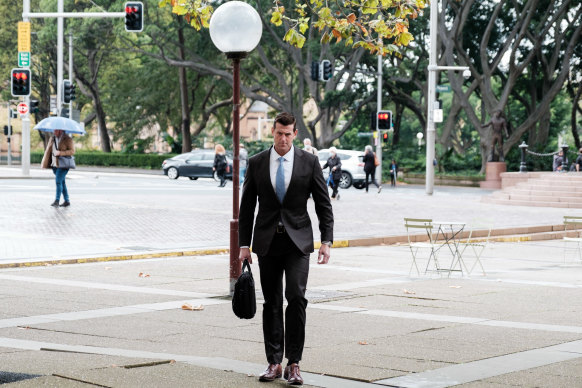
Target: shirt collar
288	156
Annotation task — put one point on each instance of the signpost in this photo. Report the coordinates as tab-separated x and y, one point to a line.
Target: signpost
23	59
443	88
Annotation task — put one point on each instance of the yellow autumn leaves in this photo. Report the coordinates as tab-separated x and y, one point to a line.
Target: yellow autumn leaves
379	26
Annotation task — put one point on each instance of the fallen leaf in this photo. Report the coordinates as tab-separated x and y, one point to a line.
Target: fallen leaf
108	268
409	292
187	306
362	343
454	286
143	275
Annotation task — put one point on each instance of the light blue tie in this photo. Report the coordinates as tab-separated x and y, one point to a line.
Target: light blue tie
280	181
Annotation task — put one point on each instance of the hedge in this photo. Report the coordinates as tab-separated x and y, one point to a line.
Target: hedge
147	161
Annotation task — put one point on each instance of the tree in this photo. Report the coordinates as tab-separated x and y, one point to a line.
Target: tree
536	38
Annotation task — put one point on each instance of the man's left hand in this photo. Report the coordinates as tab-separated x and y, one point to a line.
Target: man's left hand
323	254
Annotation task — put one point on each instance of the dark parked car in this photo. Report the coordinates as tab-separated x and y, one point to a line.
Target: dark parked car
194	165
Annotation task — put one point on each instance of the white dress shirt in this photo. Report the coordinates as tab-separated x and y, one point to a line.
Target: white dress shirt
287	166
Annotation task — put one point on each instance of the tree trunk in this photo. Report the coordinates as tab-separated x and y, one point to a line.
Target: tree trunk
183	80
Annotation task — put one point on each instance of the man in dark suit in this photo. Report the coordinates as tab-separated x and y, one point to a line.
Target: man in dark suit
281	179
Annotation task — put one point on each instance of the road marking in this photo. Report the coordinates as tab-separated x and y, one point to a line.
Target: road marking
106	312
206	297
106	286
219	363
487	368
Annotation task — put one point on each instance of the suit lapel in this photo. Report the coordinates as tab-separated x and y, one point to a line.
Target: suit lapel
297	162
265	173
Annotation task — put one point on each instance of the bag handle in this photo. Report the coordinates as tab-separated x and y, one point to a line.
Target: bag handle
247	265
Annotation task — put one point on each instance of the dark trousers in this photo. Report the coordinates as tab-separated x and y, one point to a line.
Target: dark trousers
372	174
334	184
284	259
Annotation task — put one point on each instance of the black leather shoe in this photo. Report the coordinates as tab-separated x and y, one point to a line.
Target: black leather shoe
65	204
55	203
272	372
293	375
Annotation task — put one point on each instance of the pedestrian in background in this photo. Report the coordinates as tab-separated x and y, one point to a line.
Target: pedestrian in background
370	164
579	160
220	164
243	157
335	172
60	144
280	180
308	147
393	173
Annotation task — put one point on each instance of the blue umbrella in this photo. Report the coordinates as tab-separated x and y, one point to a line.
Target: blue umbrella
50	124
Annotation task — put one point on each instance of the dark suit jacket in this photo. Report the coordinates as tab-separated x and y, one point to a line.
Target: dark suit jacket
306	179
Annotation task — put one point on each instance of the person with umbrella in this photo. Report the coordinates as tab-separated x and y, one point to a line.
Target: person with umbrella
59	145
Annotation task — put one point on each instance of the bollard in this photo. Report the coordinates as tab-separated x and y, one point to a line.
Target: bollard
523	149
565	158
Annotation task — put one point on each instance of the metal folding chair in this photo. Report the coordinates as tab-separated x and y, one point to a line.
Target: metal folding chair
414	225
575	236
478	240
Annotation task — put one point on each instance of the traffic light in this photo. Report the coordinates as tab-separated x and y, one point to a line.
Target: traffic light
385	137
134	16
68	91
384	121
8	130
325	71
314	70
20	82
33	106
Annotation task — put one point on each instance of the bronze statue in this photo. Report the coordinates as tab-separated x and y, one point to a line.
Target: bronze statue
498	124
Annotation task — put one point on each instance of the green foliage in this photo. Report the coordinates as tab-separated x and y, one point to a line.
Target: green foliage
118	159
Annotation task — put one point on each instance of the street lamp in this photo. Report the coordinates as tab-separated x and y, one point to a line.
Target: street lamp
419	136
431	102
235	29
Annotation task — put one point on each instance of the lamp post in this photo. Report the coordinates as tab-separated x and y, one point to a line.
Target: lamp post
235	29
431	102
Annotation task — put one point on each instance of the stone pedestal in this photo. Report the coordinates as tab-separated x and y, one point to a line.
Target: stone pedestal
493	172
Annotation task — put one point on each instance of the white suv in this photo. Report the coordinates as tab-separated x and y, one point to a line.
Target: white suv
352	167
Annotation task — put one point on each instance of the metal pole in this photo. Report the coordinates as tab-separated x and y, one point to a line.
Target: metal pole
60	38
379	137
25	154
430	99
71	71
235	267
9	158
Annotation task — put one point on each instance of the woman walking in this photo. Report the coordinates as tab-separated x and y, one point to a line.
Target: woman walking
370	167
335	171
60	144
220	164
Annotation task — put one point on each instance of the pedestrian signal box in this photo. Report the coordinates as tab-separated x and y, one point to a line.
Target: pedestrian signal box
134	16
20	82
384	120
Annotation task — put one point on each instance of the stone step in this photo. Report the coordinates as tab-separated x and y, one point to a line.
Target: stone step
538	197
566	205
549	193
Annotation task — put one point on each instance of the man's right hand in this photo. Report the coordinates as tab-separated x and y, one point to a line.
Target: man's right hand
245	253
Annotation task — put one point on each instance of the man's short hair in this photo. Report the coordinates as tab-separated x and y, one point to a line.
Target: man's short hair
285	118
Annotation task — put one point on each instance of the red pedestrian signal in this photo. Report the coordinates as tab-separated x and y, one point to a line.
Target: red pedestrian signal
134	16
384	120
20	82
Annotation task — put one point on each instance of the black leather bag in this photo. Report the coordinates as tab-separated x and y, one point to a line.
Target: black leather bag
244	302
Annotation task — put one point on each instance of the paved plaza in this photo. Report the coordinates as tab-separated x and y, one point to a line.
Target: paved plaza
370	323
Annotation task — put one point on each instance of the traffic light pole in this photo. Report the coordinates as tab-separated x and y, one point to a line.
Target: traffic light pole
60	15
71	72
379	108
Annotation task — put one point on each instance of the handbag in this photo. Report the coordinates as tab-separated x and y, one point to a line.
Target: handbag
376	161
244	302
66	162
